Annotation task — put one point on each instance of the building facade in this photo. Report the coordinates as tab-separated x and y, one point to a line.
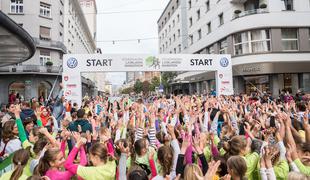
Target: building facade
269	41
57	27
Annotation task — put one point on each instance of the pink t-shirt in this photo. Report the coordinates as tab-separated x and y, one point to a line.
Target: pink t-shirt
59	175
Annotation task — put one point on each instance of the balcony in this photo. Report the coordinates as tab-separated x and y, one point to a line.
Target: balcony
249	12
238	1
57	45
30	69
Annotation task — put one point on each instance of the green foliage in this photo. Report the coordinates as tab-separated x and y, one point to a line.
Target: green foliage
127	90
138	87
146	87
155	82
166	78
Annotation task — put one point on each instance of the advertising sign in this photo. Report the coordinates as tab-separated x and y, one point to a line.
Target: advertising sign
75	64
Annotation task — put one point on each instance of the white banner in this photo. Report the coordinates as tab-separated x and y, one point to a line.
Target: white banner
75	64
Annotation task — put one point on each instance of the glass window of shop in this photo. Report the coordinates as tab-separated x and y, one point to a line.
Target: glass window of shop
254	41
287	79
289	39
256	83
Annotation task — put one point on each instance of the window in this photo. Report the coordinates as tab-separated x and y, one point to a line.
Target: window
177	2
45	33
175	50
44	57
221	19
178	18
207	6
289	39
172	9
165	32
209	27
173	37
199	34
179	32
45	10
169	28
189	4
179	47
169	41
210	50
191	39
173	23
288	4
166	44
190	22
252	41
223	46
17	6
198	15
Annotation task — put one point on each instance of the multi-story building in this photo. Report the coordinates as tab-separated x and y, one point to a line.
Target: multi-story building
58	27
269	41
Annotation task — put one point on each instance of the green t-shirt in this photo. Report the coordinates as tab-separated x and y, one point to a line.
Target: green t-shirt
106	171
7	176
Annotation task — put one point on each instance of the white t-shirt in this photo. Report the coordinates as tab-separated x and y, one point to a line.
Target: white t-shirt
12	146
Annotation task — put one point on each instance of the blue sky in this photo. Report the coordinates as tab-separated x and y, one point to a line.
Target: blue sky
121	25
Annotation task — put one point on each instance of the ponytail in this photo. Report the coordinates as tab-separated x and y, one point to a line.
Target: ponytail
44	163
18	171
20	159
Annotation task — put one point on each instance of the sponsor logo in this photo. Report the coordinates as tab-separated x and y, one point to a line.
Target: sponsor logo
221	76
71	85
152	61
225	82
66	78
72	62
224	62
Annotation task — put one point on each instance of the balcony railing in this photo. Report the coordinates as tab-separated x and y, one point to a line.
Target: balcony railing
250	12
50	44
30	68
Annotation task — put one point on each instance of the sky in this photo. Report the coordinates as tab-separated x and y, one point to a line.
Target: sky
116	20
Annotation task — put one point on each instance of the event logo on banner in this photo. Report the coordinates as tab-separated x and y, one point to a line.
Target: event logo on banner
152	61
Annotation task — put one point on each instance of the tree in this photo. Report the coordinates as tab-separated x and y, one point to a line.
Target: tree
146	87
138	86
166	78
127	90
155	82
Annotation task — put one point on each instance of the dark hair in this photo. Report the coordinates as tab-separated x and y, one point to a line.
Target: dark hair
20	159
137	175
39	145
80	113
165	157
237	165
26	103
100	150
34	177
139	145
234	146
7	131
44	163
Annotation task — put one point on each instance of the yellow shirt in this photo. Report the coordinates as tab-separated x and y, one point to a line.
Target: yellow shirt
106	171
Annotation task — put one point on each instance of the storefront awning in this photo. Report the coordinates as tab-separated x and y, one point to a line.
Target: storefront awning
16	45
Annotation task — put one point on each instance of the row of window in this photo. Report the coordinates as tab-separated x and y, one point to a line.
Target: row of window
17	7
177	49
254	41
257	41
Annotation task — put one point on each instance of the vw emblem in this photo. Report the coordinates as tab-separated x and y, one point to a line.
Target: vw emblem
72	63
224	62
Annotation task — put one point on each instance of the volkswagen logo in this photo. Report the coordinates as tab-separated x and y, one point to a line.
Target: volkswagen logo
224	62
72	63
